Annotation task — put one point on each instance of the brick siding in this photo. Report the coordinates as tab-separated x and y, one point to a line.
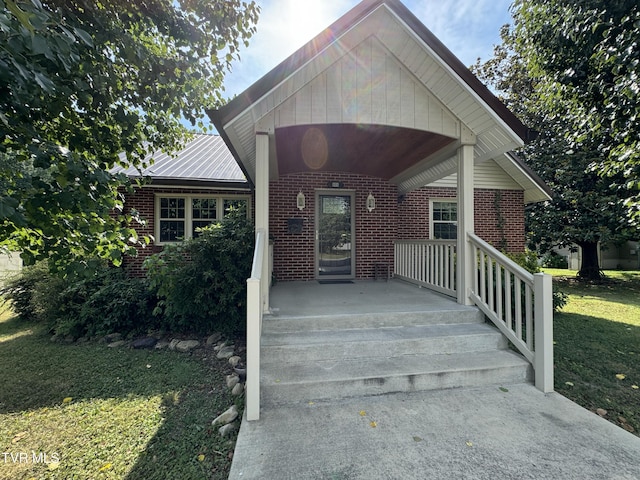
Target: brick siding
413	212
143	200
294	253
404	217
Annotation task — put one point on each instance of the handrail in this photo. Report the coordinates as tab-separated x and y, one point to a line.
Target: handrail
255	299
519	303
428	263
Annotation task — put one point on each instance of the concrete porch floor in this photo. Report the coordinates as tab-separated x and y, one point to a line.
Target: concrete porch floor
302	299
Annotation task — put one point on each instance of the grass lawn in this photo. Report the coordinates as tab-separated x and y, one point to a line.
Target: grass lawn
89	411
597	345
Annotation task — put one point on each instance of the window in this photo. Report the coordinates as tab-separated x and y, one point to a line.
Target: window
444	220
180	217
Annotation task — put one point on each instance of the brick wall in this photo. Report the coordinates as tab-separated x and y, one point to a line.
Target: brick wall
294	253
143	200
406	217
413	211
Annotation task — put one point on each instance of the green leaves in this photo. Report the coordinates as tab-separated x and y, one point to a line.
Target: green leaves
80	85
585	59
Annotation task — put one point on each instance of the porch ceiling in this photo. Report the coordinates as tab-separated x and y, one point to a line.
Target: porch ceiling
374	150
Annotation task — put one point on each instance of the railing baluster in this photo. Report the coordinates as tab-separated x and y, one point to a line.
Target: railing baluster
490	283
499	270
507	300
529	316
518	298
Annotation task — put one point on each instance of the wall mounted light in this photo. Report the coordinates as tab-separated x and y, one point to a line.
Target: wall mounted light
371	202
300	201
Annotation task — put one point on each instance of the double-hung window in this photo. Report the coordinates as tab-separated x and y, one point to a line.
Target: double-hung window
179	217
444	219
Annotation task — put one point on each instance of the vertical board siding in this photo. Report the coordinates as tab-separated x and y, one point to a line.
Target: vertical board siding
367	85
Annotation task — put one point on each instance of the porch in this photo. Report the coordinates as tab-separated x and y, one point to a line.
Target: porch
335	341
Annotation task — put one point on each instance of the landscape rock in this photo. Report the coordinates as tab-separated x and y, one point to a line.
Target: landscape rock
238	389
162	344
187	345
227	417
117	344
225	352
235	360
112	337
232	380
228	429
213	338
173	343
144	342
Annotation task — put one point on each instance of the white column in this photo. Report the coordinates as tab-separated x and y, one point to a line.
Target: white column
262	208
543	360
466	262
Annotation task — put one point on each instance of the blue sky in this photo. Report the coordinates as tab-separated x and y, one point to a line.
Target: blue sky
469	28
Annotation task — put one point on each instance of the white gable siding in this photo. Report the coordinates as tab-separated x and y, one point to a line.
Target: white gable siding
367	85
487	175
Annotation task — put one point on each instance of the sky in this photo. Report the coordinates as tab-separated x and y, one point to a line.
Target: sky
469	28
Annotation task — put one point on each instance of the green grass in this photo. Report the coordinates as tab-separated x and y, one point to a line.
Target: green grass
128	413
597	345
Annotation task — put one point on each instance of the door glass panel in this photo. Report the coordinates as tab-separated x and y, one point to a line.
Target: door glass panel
334	235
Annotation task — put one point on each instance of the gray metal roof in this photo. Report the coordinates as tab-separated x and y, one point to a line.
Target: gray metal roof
205	159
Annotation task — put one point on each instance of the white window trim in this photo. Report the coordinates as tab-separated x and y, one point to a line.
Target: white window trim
439	200
188	231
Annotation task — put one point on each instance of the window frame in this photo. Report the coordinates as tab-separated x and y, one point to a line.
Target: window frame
188	218
432	221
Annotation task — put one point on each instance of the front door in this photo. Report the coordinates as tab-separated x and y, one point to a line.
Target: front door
335	238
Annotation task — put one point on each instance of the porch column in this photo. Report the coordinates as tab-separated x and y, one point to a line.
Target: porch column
466	262
262	209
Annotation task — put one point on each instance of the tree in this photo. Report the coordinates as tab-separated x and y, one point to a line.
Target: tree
585	58
85	86
586	208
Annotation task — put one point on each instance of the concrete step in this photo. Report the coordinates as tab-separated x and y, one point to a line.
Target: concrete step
456	314
305	381
315	345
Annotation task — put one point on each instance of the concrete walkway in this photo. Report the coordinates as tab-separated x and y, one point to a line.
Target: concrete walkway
485	433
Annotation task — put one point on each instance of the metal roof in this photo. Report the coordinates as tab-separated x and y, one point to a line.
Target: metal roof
204	160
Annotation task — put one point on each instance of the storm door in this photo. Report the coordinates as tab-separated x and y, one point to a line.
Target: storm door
335	236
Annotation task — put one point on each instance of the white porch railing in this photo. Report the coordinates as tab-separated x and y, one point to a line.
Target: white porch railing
430	263
519	303
255	308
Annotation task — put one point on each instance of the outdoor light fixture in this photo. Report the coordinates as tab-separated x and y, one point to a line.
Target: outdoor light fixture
300	201
371	202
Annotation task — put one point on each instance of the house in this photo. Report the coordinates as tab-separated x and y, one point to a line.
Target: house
179	193
610	256
373	150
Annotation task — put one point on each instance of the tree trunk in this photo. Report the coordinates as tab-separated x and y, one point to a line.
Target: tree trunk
590	266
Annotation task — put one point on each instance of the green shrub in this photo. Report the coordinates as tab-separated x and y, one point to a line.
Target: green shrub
553	260
201	282
34	292
102	301
530	262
